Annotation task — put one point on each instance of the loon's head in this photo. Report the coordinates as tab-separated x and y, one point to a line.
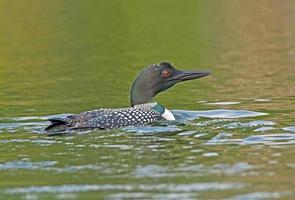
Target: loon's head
157	78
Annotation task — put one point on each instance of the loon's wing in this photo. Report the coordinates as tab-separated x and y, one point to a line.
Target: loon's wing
61	124
107	119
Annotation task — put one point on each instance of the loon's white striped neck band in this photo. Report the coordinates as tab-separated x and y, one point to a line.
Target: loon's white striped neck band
166	114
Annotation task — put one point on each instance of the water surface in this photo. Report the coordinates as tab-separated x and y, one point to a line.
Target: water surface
235	132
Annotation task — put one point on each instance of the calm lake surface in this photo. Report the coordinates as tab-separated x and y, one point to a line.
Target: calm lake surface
235	132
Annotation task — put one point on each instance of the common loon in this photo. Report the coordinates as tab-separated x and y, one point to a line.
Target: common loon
144	110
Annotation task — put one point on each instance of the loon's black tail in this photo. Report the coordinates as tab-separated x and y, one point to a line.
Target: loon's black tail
58	124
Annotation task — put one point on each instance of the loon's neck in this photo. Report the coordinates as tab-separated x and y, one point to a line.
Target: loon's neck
166	114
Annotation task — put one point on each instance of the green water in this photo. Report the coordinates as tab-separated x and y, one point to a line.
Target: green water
69	56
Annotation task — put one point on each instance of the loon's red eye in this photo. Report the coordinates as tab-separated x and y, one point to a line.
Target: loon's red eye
166	73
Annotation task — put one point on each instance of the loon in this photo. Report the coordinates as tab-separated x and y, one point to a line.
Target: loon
144	110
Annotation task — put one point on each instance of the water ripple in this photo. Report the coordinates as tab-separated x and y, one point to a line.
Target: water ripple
193	187
150	171
26	165
35	141
146	195
270	139
264	128
222	168
289	128
219	113
151	129
157	171
267	139
224	103
251	124
260	196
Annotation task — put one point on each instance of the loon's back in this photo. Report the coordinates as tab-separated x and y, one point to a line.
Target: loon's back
106	119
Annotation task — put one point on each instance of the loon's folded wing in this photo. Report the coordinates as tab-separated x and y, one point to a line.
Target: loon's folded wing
105	119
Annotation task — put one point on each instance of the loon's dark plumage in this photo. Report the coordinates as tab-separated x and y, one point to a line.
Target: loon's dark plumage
152	80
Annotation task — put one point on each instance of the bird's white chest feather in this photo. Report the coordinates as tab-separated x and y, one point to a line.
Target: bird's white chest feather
168	115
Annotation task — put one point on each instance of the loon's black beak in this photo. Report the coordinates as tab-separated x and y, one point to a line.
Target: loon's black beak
180	75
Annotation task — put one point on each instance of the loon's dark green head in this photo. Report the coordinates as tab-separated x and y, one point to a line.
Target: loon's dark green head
157	78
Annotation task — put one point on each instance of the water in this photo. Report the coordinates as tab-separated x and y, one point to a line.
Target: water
234	135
